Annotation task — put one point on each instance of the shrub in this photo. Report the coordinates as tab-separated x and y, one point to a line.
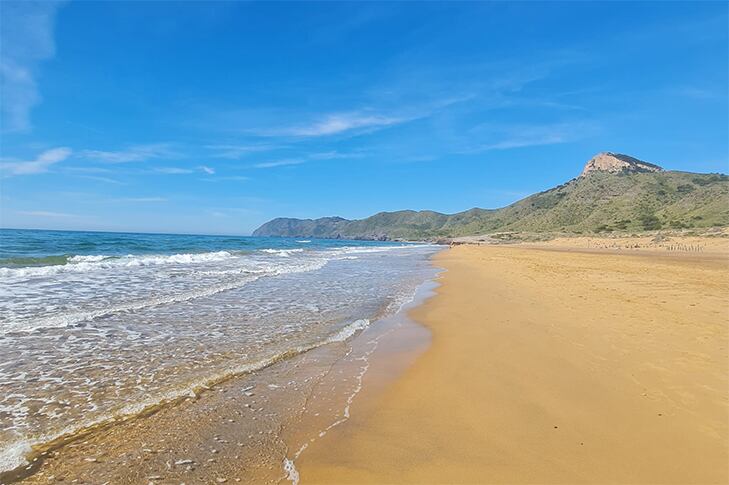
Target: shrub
650	222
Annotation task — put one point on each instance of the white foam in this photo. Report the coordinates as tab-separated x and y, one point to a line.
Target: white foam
292	474
377	249
82	264
282	252
247	275
13	455
87	259
349	330
66	319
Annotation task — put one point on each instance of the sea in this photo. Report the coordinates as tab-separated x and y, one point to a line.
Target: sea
98	326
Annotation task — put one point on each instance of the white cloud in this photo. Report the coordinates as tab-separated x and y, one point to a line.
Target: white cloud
330	155
39	165
235	152
106	180
26	37
334	155
279	163
135	153
336	123
173	170
526	141
184	171
45	214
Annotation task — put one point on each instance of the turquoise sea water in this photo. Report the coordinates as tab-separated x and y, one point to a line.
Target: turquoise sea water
98	325
22	247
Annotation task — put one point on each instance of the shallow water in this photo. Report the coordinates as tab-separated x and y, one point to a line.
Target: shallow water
118	327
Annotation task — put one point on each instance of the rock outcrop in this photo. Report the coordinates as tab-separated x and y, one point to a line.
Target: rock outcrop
617	163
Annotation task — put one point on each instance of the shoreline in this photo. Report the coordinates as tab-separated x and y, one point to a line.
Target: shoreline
334	363
410	420
553	366
38	451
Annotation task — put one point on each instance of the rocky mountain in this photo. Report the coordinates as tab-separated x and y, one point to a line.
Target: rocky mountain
618	163
613	193
325	227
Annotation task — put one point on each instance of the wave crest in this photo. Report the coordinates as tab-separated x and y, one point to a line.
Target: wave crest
83	264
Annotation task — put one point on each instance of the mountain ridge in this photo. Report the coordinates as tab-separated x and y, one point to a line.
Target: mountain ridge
614	192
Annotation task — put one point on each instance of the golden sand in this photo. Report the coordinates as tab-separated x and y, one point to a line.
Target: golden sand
552	367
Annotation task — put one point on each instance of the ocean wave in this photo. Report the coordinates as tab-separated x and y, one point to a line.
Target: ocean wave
34	261
83	264
19	268
247	276
93	258
376	249
283	252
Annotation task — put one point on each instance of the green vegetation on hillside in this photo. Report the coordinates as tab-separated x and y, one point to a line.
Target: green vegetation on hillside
599	202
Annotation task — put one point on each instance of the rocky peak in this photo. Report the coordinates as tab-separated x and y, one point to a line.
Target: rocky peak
617	163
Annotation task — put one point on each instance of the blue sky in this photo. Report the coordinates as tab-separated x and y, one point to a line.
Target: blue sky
215	117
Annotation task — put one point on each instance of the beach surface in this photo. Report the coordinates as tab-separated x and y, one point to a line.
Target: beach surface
553	364
568	361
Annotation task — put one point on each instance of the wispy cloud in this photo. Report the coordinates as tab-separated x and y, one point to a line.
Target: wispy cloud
235	152
334	155
106	180
45	214
368	113
183	170
526	140
26	37
39	165
280	163
330	155
173	170
336	123
134	153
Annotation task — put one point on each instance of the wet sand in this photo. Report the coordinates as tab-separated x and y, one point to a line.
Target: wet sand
246	429
552	365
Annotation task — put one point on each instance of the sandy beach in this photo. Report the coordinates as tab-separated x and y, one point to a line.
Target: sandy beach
552	366
558	362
